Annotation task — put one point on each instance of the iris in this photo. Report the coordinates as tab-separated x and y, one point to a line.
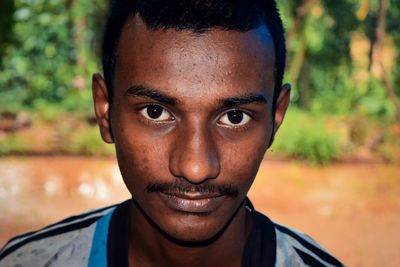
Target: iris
235	116
154	111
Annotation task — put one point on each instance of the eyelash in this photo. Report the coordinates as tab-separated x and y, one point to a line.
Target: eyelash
240	128
150	122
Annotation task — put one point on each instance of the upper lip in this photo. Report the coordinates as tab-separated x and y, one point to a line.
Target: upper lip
193	195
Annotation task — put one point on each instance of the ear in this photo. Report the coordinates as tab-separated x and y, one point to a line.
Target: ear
282	105
101	107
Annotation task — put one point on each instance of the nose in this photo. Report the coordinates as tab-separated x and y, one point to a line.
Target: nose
194	156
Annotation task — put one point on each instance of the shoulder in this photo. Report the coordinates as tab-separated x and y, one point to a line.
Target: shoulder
295	248
68	242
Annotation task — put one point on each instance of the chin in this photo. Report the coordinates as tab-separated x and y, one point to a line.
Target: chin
193	230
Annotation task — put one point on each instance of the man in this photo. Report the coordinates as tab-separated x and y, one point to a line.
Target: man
191	97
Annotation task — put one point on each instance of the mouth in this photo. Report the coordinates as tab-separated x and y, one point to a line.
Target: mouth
192	202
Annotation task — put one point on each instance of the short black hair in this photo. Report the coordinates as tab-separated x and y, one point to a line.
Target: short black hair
198	16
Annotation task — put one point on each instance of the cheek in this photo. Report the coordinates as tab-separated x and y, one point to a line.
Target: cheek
242	161
140	160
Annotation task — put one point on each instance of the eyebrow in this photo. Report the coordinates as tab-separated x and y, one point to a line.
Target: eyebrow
243	100
149	92
155	94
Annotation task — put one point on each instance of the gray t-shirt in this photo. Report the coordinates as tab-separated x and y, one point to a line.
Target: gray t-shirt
98	239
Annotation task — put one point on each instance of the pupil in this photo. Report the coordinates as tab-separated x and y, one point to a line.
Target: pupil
154	111
235	116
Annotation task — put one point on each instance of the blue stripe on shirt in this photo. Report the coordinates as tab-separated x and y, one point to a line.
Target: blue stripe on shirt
98	252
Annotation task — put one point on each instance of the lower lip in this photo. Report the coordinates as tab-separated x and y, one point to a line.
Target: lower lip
205	205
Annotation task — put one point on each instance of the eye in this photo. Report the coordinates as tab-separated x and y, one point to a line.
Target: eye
234	118
156	113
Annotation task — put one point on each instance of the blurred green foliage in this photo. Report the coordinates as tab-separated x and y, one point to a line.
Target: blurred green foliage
86	141
12	144
6	23
54	50
327	75
307	137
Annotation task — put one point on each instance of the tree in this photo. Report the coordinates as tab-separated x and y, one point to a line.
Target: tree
53	44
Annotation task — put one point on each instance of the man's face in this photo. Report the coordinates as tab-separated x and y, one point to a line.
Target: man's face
191	119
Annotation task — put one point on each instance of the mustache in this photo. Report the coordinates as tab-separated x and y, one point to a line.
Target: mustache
185	187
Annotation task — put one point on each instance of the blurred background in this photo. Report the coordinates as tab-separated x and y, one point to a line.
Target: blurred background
335	161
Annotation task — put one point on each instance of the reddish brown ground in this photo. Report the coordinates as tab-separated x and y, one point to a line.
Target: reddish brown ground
351	209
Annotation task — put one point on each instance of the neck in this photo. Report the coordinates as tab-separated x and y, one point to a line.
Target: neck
149	247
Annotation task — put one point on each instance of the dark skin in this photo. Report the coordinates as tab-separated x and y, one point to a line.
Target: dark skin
193	110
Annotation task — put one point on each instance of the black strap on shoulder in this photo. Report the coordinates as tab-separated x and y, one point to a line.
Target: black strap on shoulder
260	249
117	247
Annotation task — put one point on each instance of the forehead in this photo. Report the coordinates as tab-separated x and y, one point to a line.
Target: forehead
195	64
